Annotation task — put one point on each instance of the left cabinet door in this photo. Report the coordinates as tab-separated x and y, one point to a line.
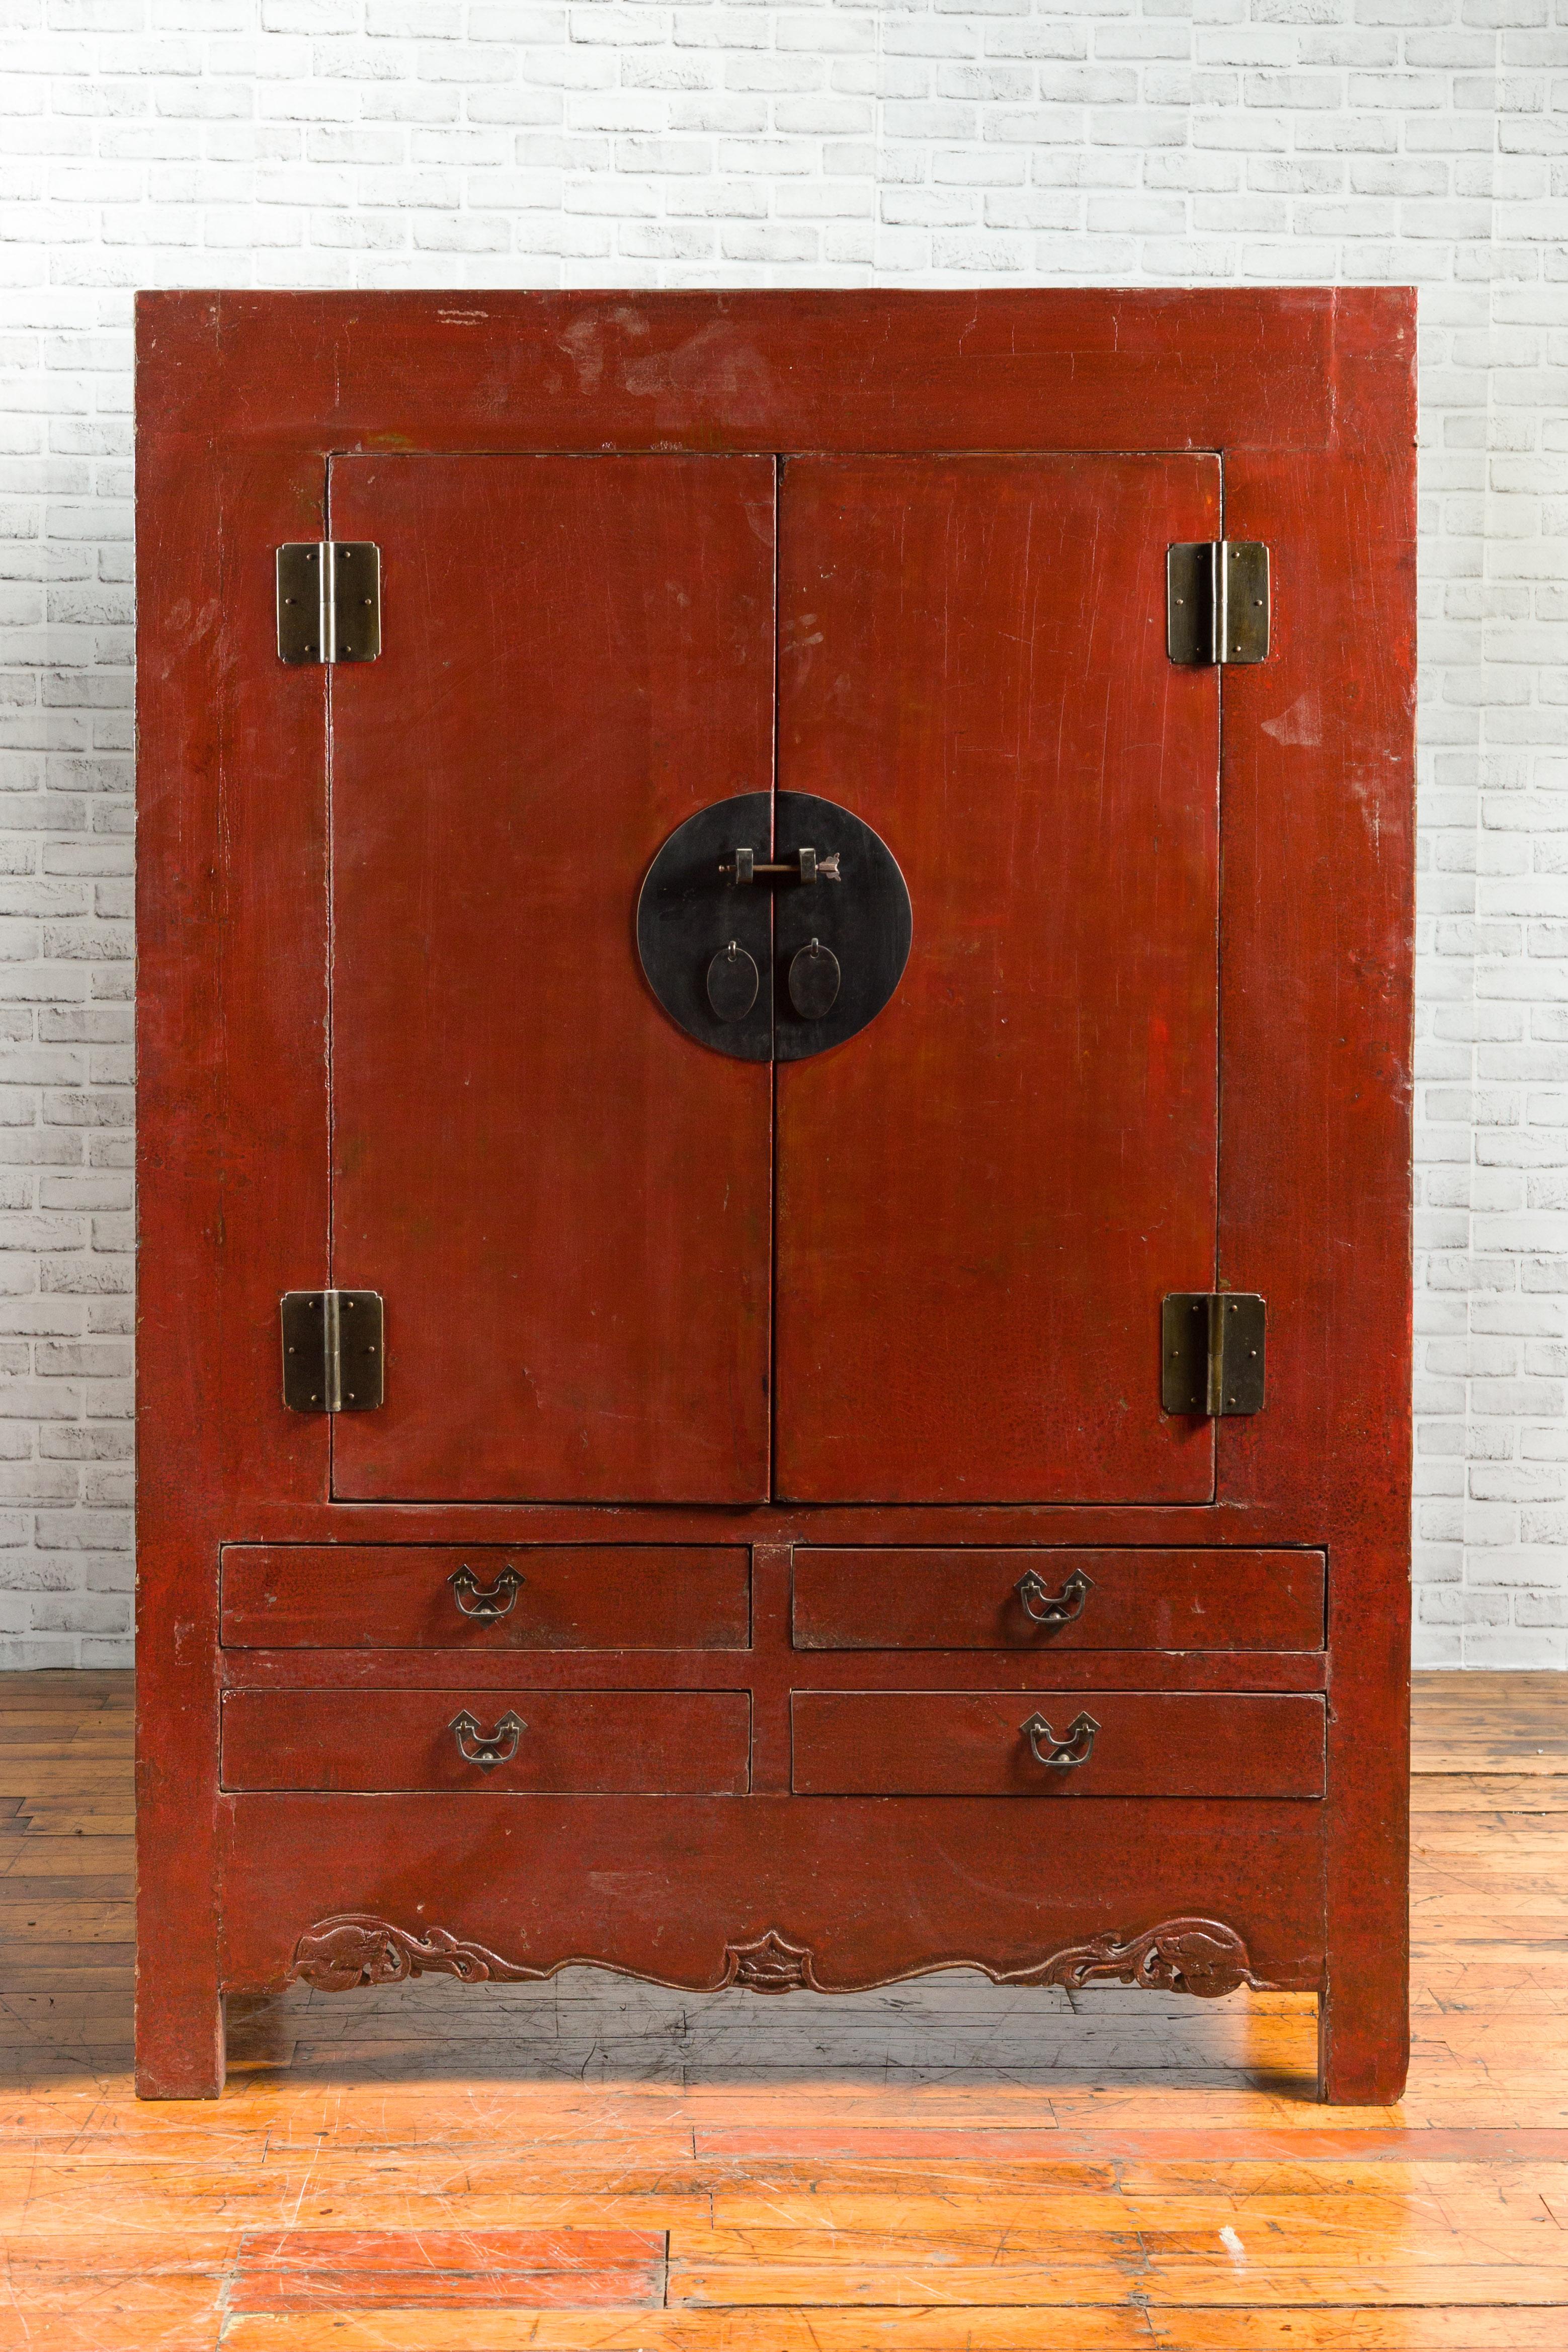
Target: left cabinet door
564	1202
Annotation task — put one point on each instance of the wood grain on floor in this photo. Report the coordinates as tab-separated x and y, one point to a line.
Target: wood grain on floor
592	2163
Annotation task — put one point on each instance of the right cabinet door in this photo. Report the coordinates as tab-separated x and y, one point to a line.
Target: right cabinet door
983	1197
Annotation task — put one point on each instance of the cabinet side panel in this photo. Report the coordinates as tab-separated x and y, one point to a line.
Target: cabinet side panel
232	1138
1317	941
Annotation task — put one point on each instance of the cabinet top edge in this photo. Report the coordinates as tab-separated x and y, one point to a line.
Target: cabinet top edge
756	368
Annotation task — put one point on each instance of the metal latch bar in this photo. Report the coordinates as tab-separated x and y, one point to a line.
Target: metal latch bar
1218	601
745	865
333	1351
329	600
1212	1353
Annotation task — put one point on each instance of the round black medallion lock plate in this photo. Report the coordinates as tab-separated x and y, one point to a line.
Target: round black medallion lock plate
813	981
691	911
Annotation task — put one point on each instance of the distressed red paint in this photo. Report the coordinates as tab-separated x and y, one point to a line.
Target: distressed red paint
394	1035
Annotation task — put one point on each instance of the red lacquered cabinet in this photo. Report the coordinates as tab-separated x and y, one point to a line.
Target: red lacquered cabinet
774	1044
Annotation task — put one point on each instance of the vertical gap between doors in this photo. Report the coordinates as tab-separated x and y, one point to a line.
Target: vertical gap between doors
329	846
1215	1426
773	984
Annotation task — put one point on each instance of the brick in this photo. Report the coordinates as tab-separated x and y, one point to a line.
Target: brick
1295	91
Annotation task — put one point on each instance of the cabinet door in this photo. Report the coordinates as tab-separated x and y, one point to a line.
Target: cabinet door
983	1196
565	1204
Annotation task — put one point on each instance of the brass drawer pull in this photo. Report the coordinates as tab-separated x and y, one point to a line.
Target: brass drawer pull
1061	1755
488	1748
1054	1609
485	1604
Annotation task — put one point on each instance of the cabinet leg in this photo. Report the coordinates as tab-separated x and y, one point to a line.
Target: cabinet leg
1364	2049
179	2042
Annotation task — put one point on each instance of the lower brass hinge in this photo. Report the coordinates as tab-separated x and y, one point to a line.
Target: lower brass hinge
333	1355
1217	601
1211	1353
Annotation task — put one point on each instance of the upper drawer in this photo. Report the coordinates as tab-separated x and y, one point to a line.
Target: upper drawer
577	1743
1057	1743
428	1597
976	1599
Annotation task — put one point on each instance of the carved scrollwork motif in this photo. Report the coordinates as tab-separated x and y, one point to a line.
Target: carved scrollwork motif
772	1964
337	1954
341	1954
1202	1957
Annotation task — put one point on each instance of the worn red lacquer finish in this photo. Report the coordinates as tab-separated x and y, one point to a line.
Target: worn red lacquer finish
765	1517
610	1597
568	1188
966	1295
1054	1600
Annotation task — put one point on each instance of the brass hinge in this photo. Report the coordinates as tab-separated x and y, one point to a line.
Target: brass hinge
333	1352
329	600
1211	1353
1217	601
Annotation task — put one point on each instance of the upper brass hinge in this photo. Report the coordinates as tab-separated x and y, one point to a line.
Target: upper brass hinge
329	600
1217	601
1212	1352
333	1351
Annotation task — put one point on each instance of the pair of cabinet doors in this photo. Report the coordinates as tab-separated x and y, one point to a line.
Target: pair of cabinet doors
622	1263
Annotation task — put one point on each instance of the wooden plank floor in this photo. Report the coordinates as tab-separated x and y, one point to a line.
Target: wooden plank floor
594	2164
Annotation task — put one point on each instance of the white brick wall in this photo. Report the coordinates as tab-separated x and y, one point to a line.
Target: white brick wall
477	142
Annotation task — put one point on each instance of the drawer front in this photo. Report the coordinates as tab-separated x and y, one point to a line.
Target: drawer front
977	1744
539	1597
971	1600
575	1743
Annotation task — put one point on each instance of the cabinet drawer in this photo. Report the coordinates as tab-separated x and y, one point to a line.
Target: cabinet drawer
976	1744
970	1600
583	1743
533	1597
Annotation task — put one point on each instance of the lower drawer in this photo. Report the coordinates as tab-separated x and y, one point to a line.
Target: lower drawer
1056	1744
578	1743
531	1597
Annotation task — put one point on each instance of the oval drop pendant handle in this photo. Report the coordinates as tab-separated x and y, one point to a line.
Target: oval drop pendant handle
486	1748
1061	1755
732	983
485	1602
1054	1609
813	981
